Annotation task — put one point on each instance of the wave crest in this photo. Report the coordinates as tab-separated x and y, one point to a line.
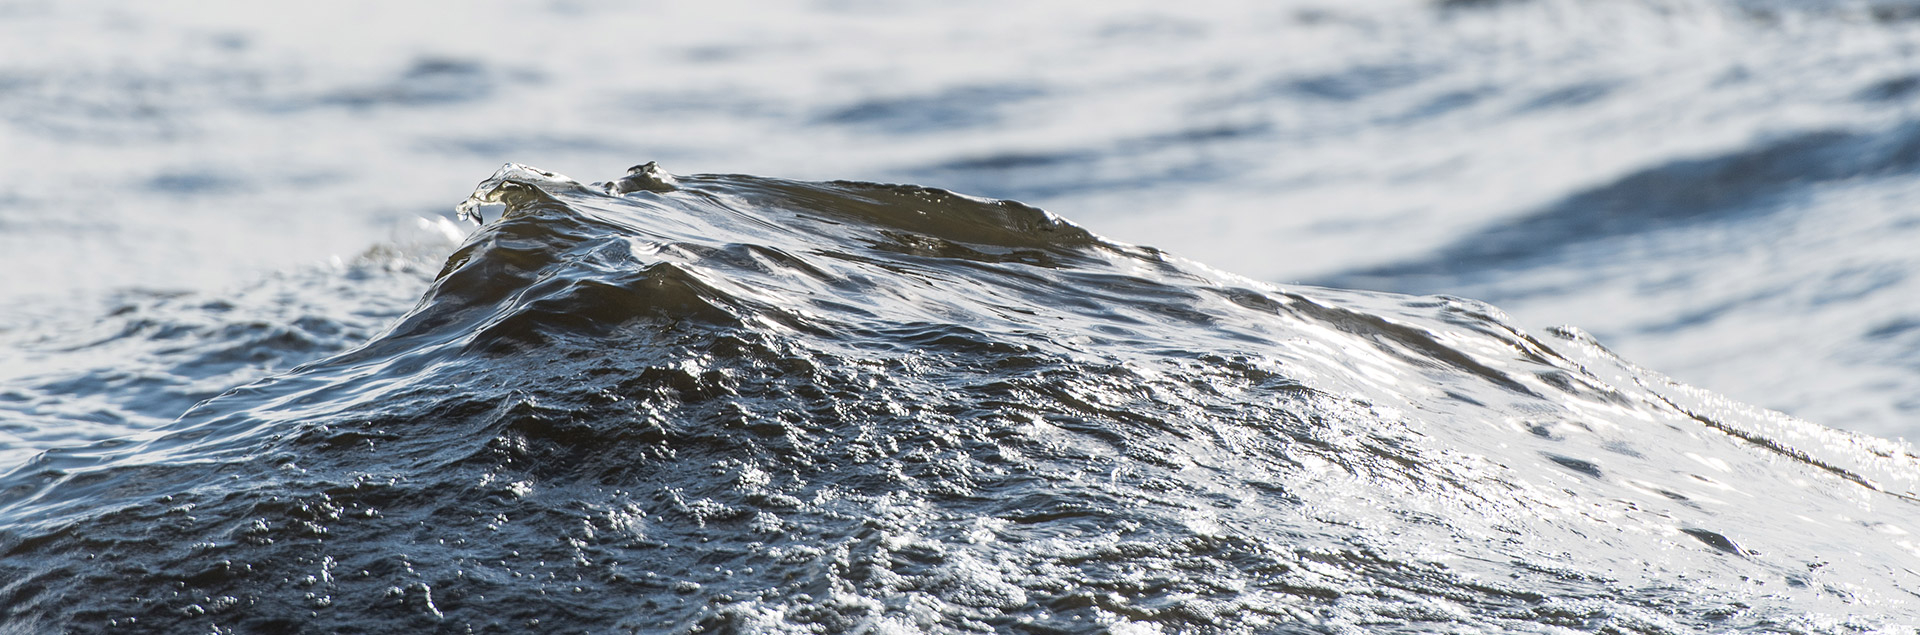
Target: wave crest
766	405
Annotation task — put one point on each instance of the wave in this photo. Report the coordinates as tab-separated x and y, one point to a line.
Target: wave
1768	178
724	403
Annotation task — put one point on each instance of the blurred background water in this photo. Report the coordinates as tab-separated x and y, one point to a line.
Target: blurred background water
1722	190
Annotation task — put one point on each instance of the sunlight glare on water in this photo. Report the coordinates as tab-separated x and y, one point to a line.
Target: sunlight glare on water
194	146
229	251
703	403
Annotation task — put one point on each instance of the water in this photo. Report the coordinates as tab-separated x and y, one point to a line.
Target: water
740	404
202	195
197	146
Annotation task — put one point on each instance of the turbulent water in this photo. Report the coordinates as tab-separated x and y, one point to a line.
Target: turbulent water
243	386
723	403
1723	190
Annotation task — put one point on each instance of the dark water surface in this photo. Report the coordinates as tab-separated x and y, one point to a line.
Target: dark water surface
756	405
724	403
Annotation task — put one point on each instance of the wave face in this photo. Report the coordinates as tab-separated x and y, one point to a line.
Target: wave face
738	404
1725	190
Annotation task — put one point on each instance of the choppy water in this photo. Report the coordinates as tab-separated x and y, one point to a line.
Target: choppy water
198	196
740	404
1720	189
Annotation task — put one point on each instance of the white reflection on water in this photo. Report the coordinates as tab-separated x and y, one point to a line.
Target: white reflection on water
198	146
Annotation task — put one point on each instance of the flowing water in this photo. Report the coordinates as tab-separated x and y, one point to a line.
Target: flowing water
740	404
255	374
